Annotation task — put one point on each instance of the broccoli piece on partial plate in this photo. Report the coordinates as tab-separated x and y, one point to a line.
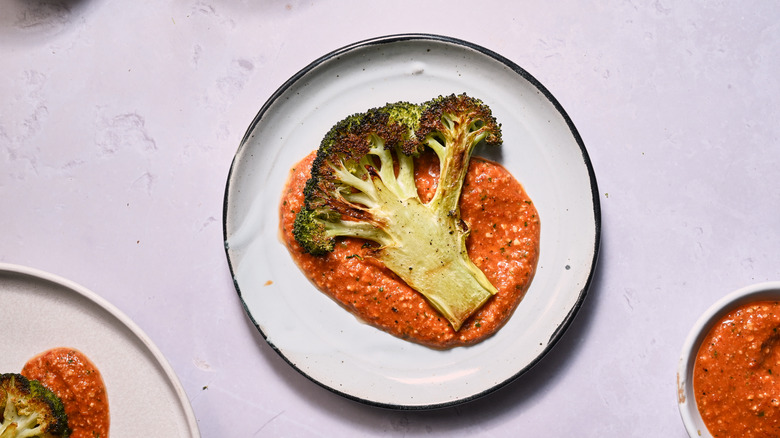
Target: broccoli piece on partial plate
28	409
362	185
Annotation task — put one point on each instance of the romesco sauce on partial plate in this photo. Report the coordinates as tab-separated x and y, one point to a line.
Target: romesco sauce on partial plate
75	379
735	377
503	243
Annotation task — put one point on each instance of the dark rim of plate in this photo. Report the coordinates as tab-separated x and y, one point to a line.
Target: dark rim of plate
556	336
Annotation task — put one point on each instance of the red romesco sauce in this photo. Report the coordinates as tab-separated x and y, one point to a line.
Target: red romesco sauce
504	244
75	380
735	378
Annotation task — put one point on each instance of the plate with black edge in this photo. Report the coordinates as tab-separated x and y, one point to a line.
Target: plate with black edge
139	381
314	334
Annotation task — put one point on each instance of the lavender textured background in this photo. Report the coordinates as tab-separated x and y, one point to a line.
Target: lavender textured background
119	121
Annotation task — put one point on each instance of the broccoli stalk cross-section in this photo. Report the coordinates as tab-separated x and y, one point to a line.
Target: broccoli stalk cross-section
362	185
28	409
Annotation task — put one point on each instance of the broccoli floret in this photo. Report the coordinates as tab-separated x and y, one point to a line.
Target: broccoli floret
362	185
29	409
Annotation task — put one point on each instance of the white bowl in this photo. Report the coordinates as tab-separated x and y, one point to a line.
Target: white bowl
685	396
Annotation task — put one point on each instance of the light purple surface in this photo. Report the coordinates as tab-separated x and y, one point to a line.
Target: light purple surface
119	121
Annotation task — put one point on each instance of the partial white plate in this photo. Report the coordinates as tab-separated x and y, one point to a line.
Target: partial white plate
311	332
41	311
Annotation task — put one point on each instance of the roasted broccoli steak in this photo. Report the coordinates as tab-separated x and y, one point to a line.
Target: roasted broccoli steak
28	409
362	185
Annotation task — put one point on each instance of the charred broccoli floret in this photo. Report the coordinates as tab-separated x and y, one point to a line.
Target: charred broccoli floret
29	409
362	185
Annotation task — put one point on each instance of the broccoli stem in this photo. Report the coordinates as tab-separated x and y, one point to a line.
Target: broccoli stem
454	156
447	278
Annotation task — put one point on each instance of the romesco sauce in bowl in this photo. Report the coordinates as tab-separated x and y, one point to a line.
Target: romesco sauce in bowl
728	378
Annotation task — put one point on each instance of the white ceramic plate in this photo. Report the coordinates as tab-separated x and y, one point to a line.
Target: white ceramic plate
324	342
686	401
41	311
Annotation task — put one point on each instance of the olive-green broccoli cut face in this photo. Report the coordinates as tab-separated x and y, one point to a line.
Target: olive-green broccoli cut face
29	409
362	185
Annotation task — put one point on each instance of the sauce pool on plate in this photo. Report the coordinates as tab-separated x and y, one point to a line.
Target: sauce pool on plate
76	380
503	243
736	377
